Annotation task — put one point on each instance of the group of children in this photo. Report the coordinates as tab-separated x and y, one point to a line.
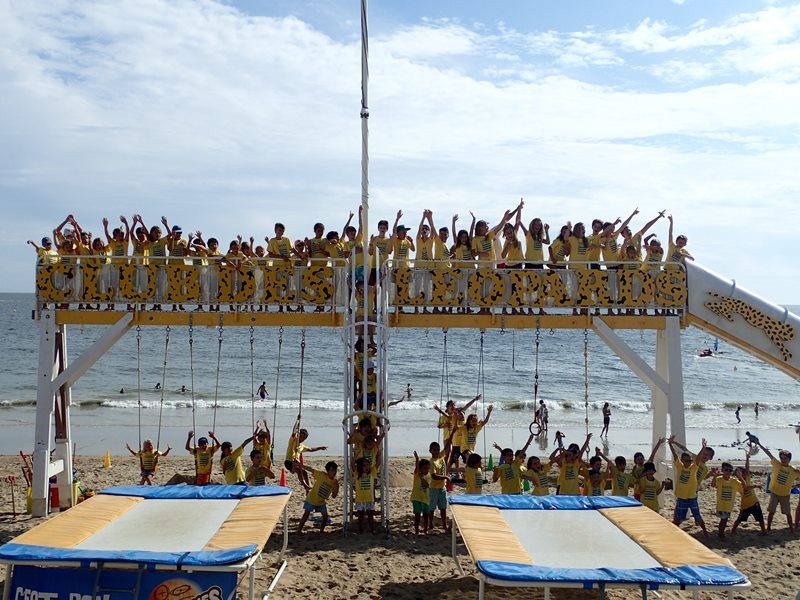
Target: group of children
430	248
516	474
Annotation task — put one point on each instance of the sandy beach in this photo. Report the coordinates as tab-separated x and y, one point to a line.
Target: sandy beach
408	566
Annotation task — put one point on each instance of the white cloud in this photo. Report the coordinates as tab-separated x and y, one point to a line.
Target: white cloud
228	123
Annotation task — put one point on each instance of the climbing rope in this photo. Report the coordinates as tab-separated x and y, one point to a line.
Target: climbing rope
139	378
586	377
302	365
216	386
482	387
252	381
163	387
191	375
277	379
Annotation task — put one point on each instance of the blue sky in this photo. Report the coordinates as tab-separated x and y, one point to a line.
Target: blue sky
229	116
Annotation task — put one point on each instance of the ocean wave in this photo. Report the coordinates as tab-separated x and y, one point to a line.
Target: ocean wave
16	403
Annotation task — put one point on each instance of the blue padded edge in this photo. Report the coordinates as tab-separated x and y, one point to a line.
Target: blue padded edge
675	576
25	552
520	502
195	492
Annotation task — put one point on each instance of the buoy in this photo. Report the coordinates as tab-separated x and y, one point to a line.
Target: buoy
107	460
526	485
490	464
283	477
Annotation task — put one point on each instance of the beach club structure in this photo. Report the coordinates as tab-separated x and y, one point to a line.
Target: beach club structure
97	548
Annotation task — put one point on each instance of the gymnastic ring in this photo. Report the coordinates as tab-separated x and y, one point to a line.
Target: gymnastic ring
535	428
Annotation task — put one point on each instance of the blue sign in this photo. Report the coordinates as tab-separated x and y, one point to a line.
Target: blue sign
61	583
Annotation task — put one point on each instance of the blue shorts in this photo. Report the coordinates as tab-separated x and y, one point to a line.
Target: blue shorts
320	508
682	506
359	273
437	498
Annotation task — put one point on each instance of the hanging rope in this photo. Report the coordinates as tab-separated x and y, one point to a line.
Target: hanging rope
482	388
216	386
139	378
252	381
586	377
445	388
191	376
163	388
302	365
537	341
277	379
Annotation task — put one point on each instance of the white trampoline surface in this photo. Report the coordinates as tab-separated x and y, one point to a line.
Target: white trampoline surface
163	526
574	539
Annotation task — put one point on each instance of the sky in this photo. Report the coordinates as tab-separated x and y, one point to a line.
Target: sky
229	116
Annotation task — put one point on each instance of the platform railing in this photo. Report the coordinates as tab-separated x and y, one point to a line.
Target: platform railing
126	283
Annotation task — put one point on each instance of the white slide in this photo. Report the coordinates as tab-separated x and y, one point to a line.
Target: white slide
718	305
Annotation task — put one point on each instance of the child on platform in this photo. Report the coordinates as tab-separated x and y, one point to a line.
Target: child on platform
419	492
325	486
365	494
748	502
727	487
258	472
780	485
203	457
148	460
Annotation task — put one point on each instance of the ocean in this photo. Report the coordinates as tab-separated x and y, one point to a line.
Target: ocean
108	406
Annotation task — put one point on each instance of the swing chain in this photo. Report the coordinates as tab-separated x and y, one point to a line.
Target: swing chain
252	338
167	334
586	376
138	333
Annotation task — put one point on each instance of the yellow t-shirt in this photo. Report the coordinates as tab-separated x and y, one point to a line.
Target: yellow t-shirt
256	475
514	254
578	254
401	248
648	491
483	246
281	246
444	425
541	481
316	246
685	480
558	251
148	460
232	466
568	482
782	478
266	450
610	248
470	436
441	253
203	459
365	487
748	497
463	257
322	489
726	493
620	482
380	244
294	449
419	491
510	482
590	490
595	241
534	249
424	256
47	257
438	467
474	480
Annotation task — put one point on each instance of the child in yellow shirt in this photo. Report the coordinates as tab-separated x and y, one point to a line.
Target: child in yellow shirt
727	488
325	486
419	492
364	494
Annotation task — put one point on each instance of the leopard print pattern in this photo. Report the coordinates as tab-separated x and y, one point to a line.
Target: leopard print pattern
779	333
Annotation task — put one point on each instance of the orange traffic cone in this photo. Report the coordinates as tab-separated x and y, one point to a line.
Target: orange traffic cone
283	477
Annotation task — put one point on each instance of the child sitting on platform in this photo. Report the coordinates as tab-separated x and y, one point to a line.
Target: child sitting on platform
148	460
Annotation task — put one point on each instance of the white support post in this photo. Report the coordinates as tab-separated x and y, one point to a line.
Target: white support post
653	379
45	395
677	418
63	449
660	398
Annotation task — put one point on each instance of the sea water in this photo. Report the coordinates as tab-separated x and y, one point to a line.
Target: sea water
116	401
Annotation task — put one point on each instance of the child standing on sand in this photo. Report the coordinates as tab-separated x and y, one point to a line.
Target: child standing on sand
419	492
258	472
325	486
649	487
203	457
148	460
686	483
727	488
780	485
231	461
365	494
748	502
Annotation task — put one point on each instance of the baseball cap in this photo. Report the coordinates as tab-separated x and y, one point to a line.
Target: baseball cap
46	241
370	365
177	228
202	440
402	228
